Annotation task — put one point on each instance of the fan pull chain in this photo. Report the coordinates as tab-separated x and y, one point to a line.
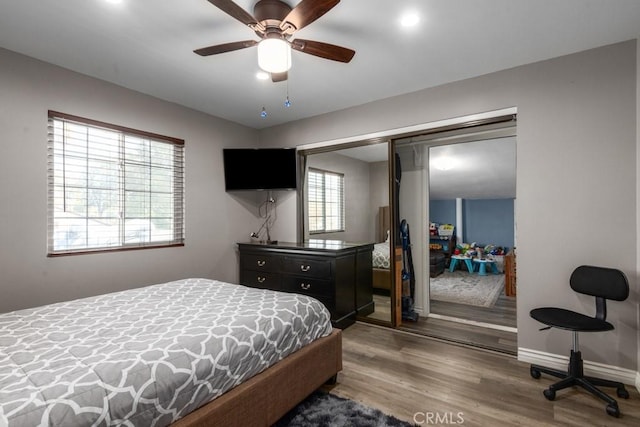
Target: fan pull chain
287	102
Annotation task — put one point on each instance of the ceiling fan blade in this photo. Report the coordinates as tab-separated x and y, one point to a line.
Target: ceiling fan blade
226	47
323	50
305	13
235	11
278	77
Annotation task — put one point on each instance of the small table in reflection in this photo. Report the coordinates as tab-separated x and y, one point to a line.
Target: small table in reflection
482	266
460	258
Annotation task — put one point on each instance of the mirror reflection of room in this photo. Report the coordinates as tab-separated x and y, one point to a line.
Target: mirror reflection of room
472	196
458	192
358	179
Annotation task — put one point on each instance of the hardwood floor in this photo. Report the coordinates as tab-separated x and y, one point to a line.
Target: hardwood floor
502	313
407	375
382	304
461	333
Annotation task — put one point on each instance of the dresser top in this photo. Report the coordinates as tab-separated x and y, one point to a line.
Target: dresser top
312	245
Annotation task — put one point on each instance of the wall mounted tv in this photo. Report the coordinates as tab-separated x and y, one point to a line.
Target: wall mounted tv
259	169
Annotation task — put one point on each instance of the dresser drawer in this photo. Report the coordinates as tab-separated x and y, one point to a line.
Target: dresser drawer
329	274
261	262
307	267
260	279
307	286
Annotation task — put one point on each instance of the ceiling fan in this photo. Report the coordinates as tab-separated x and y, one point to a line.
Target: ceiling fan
275	22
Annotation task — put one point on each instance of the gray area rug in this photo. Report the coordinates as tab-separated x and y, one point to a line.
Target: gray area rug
465	288
327	410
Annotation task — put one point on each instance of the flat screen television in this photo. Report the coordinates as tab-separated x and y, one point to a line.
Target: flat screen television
259	169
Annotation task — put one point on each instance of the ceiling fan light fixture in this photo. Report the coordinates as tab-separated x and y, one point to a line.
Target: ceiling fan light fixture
274	55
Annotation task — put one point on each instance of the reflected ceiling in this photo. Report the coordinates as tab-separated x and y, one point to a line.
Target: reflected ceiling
473	170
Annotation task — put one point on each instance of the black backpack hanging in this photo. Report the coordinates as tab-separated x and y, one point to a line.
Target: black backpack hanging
408	276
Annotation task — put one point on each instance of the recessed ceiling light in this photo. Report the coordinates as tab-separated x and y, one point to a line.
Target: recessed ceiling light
114	1
261	75
444	163
409	19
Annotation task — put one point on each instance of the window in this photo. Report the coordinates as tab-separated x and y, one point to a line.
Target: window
326	201
112	188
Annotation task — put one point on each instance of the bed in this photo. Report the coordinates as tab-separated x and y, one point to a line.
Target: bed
192	352
382	252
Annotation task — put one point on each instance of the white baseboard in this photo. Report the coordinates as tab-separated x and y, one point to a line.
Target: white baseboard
594	369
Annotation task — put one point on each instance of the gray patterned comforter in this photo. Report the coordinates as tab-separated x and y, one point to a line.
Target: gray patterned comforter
147	356
381	255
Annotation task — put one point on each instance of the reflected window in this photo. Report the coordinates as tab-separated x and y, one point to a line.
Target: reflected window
325	201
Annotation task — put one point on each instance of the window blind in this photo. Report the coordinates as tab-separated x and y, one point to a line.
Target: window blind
112	188
325	201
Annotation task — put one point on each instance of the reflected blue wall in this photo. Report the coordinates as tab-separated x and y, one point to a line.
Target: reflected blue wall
485	221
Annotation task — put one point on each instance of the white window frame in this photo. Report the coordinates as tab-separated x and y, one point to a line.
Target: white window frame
112	188
326	191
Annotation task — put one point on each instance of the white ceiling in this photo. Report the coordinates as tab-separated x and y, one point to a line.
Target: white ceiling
475	170
147	45
368	153
479	169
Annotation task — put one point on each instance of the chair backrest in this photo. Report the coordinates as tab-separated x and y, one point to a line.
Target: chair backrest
601	282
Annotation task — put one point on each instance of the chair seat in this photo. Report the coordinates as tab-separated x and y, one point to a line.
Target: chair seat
567	319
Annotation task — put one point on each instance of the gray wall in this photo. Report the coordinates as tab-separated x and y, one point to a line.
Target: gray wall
214	219
357	191
366	190
638	206
379	196
576	151
577	119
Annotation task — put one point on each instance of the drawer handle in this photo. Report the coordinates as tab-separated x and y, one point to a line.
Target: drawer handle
261	263
305	286
261	279
305	268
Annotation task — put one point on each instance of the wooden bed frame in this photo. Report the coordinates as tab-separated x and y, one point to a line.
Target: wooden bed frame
382	276
266	397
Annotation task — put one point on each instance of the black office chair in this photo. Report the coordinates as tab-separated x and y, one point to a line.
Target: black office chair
602	283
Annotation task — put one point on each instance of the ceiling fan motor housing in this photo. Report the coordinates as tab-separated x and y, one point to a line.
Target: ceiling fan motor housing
270	13
275	20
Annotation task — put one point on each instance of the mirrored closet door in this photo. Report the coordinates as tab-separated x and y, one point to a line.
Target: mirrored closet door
458	192
346	197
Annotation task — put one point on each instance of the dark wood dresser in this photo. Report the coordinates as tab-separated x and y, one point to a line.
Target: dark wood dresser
339	274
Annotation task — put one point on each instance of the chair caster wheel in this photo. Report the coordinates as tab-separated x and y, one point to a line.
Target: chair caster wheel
622	392
549	394
613	410
535	373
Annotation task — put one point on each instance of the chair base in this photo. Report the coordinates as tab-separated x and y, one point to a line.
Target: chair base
574	376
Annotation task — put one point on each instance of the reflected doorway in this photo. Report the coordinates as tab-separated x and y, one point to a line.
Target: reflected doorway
420	193
472	196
